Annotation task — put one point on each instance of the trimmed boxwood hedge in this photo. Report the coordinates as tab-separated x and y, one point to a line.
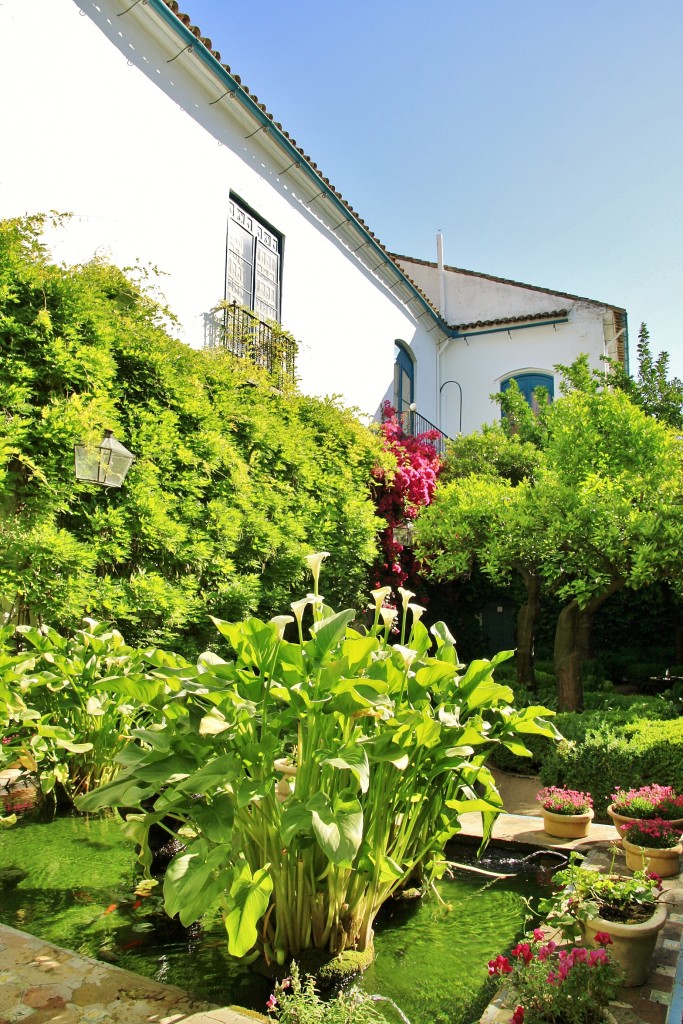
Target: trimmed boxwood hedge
624	741
642	753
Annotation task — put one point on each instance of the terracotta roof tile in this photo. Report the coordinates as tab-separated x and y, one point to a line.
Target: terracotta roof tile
553	314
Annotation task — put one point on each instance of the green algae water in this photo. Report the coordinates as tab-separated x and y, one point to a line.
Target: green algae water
72	881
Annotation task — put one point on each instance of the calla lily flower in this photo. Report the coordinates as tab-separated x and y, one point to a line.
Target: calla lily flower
407	654
379	595
417	610
299	607
281	621
314	562
388	615
405	596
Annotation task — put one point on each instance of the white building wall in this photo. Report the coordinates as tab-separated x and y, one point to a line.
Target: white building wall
88	133
486	356
481	363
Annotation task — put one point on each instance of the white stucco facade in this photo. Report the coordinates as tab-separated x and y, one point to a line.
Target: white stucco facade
503	329
117	115
130	143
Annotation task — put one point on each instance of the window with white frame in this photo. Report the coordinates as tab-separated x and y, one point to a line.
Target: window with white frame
253	263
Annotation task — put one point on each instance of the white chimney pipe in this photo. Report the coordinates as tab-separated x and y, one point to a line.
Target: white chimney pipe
442	275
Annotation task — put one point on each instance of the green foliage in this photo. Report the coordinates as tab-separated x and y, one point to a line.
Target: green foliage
606	717
233	481
493	452
314	778
652	390
297	1002
67	704
634	754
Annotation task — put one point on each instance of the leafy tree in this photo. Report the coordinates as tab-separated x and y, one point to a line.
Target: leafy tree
604	512
652	389
234	479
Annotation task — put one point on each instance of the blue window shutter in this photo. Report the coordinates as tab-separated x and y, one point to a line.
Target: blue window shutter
528	382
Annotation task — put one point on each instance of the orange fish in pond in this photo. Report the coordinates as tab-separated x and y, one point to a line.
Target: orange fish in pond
129	945
112	906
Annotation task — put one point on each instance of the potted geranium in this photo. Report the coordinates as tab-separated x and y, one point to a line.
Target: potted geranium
653	844
591	902
559	986
646	802
567	813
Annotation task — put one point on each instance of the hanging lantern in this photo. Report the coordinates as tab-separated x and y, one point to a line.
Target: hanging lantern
105	465
403	534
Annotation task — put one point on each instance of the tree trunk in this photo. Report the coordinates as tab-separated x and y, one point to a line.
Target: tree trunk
572	643
526	623
584	628
567	664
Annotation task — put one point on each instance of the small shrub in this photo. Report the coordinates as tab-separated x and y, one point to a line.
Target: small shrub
606	760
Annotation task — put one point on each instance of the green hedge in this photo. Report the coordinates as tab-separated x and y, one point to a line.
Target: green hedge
639	754
598	727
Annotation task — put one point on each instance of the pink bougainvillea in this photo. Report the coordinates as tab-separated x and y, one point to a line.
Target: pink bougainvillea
400	497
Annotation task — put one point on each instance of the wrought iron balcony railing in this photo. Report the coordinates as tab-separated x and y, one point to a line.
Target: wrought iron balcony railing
237	330
413	424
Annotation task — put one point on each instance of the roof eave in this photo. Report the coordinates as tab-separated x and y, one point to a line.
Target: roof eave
410	293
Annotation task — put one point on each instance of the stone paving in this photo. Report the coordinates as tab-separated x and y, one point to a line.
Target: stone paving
41	983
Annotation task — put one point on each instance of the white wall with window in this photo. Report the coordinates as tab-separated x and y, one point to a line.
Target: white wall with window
157	170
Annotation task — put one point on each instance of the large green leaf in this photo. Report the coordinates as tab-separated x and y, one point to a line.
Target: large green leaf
250	895
215	819
330	631
338	828
195	879
355	758
126	792
295	819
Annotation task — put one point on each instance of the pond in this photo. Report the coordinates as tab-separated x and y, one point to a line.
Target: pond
79	892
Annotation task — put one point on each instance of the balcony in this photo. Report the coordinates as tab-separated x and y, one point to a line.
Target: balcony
232	328
415	425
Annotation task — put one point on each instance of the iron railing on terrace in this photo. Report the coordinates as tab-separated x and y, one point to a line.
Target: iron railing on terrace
413	424
237	330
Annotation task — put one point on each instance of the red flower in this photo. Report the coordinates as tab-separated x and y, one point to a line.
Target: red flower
272	1002
654	877
518	1015
539	934
523	951
603	939
501	965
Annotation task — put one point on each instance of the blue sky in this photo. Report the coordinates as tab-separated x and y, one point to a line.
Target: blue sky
544	139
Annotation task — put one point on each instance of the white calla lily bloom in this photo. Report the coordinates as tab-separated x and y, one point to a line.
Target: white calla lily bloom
379	595
281	621
299	607
407	654
314	562
417	610
388	615
405	596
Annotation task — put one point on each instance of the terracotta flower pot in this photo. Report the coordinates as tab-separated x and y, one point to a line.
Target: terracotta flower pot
620	820
632	944
665	862
566	826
